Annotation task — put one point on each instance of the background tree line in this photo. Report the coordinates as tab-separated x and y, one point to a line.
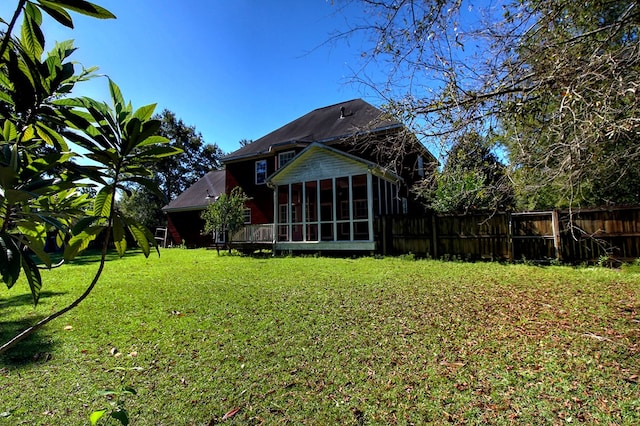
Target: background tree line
174	174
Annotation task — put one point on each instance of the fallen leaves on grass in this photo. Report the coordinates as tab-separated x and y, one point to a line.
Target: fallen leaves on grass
230	413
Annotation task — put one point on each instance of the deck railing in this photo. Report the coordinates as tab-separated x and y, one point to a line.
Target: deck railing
262	233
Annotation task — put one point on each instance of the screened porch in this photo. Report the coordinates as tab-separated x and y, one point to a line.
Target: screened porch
334	213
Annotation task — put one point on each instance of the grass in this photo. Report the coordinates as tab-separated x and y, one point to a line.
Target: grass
323	341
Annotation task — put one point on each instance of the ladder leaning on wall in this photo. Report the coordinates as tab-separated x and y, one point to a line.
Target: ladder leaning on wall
161	237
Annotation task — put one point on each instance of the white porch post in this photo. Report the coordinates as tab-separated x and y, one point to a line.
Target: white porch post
335	224
303	207
274	236
350	183
370	204
319	233
289	215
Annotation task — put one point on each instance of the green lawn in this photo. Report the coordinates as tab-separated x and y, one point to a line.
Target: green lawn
324	341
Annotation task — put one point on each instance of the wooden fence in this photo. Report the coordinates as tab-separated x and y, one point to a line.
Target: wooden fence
569	236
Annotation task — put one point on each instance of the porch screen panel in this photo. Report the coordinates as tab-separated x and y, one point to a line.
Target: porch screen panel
296	212
377	202
326	210
343	209
311	210
283	213
360	207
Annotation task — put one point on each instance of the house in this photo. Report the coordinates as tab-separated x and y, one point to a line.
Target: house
319	182
184	224
315	184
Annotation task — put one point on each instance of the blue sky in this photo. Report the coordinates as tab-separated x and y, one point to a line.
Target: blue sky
233	69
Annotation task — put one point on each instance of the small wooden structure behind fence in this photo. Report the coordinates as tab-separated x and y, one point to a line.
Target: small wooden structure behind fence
570	236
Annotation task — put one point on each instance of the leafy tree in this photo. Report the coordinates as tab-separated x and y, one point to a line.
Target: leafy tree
39	186
557	79
175	174
144	206
473	179
226	214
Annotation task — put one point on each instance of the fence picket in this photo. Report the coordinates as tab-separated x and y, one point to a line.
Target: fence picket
577	236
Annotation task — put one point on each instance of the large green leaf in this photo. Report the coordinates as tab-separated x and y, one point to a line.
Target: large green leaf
154	140
10	260
142	236
32	38
5	82
79	242
107	158
51	137
119	239
153	152
96	416
148	184
117	98
84	223
33	229
56	12
102	202
9	132
132	134
144	113
33	277
84	8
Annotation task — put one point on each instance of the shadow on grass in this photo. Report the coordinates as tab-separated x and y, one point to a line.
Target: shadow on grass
93	256
34	348
26	299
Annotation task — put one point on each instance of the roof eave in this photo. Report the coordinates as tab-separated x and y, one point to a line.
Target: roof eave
184	209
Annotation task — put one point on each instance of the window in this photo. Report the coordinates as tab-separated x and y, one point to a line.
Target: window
247	216
285	157
360	209
261	172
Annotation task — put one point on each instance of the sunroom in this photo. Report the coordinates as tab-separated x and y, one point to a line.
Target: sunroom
326	200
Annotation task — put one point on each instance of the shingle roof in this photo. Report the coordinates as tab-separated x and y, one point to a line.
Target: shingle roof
199	195
320	125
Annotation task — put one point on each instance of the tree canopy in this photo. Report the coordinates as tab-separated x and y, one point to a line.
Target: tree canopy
175	174
226	214
473	179
555	82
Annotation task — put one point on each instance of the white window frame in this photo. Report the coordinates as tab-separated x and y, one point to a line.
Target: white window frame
285	157
261	171
247	216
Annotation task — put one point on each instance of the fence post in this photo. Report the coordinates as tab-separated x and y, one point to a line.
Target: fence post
510	241
555	224
434	236
383	223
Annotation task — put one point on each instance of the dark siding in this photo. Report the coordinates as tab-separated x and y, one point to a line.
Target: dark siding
186	227
242	174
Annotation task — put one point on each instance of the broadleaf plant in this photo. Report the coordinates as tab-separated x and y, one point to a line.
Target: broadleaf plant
40	181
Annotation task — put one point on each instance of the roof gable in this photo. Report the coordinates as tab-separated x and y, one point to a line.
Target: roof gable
199	195
319	161
321	125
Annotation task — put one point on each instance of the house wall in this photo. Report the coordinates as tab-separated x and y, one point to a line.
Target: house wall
243	174
186	227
